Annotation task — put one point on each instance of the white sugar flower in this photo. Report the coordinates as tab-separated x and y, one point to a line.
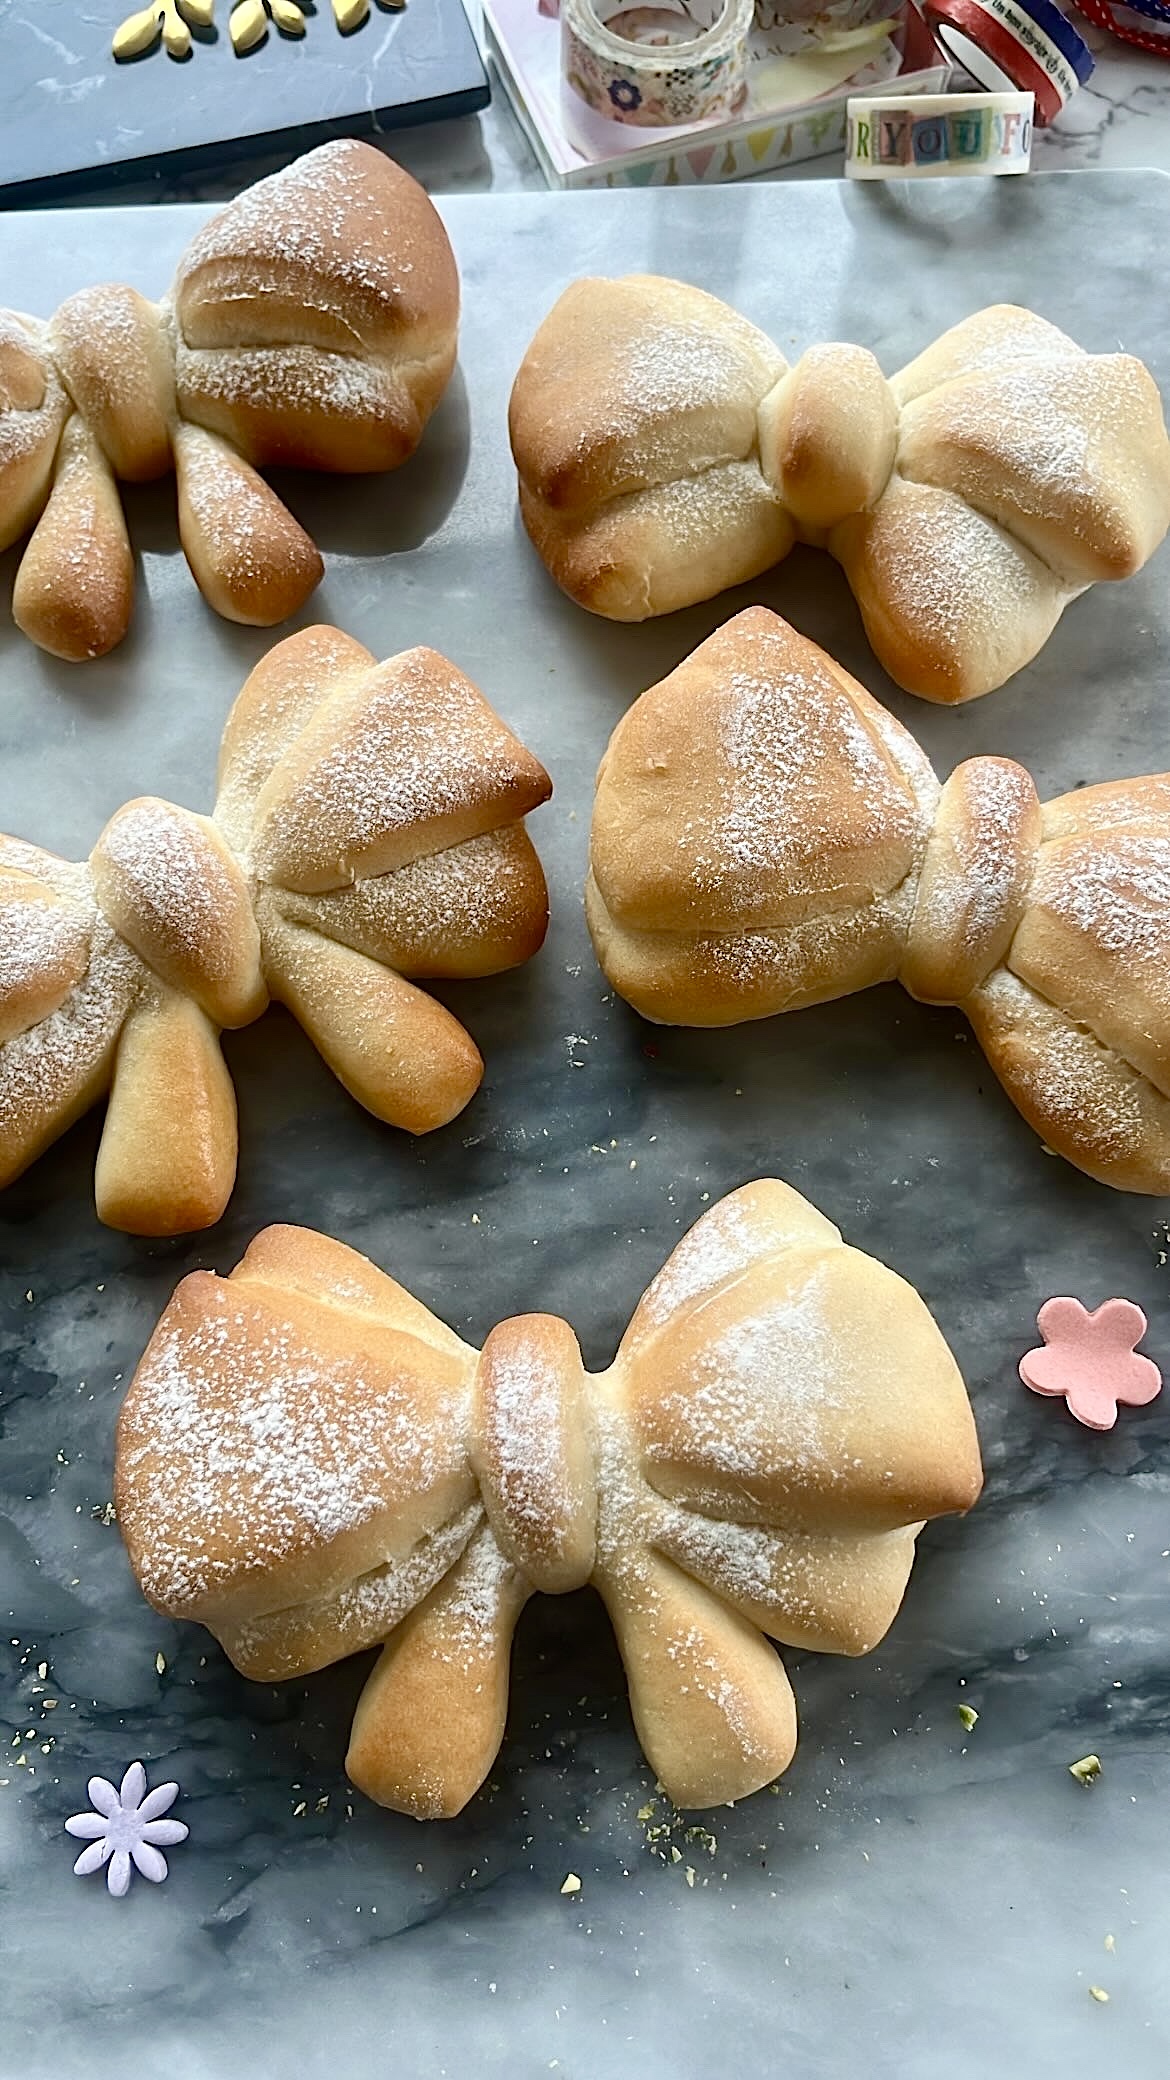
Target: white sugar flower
126	1825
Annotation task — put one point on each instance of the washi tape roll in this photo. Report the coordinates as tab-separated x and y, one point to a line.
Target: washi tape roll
656	66
888	137
1026	44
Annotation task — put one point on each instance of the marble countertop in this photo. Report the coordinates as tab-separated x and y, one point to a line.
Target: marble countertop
917	1898
1122	118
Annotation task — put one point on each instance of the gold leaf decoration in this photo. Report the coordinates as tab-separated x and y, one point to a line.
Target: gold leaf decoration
287	16
168	19
138	32
247	25
176	35
170	22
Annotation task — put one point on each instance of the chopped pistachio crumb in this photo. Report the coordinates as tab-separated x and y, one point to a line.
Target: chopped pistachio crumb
1098	1993
646	1812
968	1715
42	1669
160	1662
572	1883
298	1810
675	1854
1110	1943
690	1876
1086	1769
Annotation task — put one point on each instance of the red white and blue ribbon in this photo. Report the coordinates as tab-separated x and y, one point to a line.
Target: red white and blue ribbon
1026	44
1127	21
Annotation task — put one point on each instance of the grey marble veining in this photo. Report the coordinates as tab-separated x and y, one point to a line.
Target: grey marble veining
912	1899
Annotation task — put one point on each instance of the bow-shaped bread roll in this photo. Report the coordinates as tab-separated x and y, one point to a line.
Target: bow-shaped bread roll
368	827
766	836
308	1463
666	450
312	323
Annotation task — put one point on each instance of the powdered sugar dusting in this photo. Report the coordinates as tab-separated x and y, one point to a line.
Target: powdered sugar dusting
361	1614
718	1248
425	747
294	380
698	511
811	962
765	1384
36	939
428	910
526	1436
47	1071
679	366
971	902
246	1450
1064	1078
473	1603
312	216
942	568
1115	890
807	1588
798	781
32	403
161	858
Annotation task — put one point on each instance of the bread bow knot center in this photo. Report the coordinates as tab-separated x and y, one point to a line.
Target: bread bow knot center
533	1457
170	887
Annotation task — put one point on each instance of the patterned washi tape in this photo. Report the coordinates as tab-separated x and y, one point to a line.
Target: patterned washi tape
644	76
1027	44
892	136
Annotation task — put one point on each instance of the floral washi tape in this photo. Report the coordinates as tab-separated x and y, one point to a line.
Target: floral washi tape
892	136
654	66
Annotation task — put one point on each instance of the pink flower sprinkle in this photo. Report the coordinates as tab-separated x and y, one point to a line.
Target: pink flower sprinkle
1090	1359
125	1829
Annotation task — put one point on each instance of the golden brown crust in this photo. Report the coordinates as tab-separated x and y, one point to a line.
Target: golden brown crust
167	1160
703	819
404	759
45	940
633	383
33	408
316	315
252	561
81	531
114	357
952	604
